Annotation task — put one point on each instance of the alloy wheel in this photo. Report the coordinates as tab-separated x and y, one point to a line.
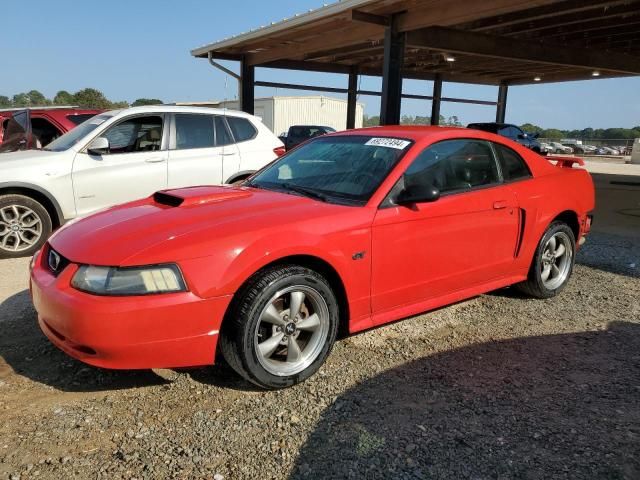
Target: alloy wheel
292	330
555	264
20	228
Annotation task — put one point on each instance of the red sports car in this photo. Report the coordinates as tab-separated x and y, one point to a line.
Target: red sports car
347	232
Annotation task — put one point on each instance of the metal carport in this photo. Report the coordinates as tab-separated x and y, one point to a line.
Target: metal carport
492	42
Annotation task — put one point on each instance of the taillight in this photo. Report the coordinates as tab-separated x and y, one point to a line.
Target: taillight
279	151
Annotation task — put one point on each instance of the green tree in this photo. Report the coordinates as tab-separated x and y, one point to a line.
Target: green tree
146	101
530	128
5	101
20	100
36	98
63	98
91	98
553	133
368	121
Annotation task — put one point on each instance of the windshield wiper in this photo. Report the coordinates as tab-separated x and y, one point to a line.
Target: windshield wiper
286	186
308	192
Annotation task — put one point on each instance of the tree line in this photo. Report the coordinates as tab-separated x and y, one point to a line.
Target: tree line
85	98
374	120
554	133
585	133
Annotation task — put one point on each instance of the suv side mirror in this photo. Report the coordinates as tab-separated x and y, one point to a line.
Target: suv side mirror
98	146
417	194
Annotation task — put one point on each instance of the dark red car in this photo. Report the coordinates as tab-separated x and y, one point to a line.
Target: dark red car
348	231
25	129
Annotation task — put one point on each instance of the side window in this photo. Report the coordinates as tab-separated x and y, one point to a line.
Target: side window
242	128
513	165
138	134
44	131
79	118
194	131
505	131
454	165
223	136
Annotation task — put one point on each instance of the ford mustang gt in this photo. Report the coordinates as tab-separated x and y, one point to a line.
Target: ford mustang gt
347	232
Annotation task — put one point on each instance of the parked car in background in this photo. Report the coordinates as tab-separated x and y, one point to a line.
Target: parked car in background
31	128
348	232
124	155
298	134
545	147
607	151
512	132
557	147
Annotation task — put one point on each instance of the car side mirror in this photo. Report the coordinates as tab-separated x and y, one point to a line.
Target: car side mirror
98	146
417	194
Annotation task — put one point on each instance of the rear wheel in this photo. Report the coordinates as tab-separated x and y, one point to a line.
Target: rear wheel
24	226
281	327
552	263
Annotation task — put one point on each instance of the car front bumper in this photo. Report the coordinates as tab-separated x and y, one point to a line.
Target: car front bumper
137	332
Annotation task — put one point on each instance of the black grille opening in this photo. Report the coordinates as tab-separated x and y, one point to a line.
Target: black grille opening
55	262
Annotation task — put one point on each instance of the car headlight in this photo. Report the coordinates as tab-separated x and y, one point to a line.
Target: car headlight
129	280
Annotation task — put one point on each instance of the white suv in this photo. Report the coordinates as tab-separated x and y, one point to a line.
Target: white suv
124	155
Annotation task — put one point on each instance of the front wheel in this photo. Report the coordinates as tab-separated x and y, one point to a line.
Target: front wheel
24	226
552	263
280	327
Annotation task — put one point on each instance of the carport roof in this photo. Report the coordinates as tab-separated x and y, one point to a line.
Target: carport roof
491	42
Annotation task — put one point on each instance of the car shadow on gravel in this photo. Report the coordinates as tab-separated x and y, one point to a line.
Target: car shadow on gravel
557	406
26	351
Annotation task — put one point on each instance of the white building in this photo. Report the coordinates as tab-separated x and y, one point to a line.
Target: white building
279	113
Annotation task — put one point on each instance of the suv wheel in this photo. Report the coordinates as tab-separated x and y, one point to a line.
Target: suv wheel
24	226
281	326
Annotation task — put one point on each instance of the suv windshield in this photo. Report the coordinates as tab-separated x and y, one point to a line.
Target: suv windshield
73	136
341	169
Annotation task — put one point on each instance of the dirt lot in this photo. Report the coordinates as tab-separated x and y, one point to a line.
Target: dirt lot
500	386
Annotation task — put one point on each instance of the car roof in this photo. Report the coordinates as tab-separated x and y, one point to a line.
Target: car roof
185	109
412	132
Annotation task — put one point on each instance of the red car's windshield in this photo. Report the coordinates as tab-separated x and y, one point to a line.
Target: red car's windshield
344	169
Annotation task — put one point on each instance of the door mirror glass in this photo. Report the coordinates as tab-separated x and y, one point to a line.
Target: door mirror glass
98	146
418	193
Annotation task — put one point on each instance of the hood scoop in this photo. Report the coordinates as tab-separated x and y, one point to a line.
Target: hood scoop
186	197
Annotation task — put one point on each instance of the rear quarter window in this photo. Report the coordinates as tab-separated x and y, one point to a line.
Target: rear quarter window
80	118
513	165
241	128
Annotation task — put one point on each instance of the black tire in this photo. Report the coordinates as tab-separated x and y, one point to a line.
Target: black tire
534	285
238	336
44	227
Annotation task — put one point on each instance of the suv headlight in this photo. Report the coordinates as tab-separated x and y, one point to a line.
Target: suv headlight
129	280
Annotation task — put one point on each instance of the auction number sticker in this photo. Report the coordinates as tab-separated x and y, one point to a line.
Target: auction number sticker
388	142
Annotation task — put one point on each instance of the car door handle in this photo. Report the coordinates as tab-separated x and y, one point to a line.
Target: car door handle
155	160
500	204
228	154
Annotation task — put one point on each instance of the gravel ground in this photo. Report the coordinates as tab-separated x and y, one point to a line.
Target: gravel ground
500	386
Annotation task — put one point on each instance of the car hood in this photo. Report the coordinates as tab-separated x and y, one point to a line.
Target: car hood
23	157
188	223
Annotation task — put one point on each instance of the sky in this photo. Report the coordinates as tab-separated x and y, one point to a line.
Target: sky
131	49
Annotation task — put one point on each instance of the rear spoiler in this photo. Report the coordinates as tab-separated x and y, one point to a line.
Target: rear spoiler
566	162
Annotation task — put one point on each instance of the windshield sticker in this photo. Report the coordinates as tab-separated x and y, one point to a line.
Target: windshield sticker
388	142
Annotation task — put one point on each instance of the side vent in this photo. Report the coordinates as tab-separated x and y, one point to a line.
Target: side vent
167	199
522	214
